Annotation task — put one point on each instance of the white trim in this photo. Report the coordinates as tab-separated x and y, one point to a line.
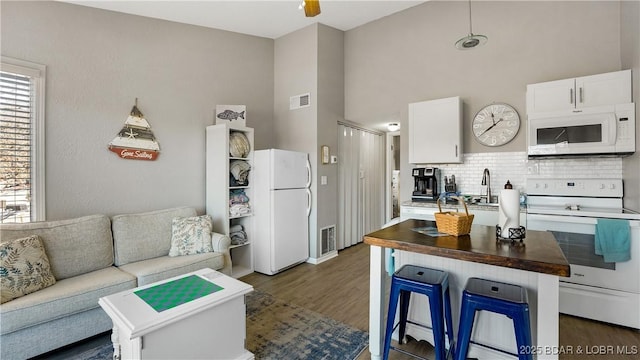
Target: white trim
388	168
377	307
22	67
330	255
38	73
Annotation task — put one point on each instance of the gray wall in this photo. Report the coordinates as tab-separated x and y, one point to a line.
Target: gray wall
330	111
98	62
296	72
630	39
311	60
411	57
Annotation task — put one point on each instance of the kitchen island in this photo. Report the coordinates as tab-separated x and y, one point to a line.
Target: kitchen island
535	264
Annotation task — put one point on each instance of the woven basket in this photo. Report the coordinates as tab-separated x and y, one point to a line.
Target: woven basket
454	223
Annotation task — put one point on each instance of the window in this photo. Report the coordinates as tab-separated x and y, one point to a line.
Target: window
21	141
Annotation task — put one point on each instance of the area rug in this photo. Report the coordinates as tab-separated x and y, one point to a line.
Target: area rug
278	330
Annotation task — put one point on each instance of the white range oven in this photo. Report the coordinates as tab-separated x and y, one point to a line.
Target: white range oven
570	209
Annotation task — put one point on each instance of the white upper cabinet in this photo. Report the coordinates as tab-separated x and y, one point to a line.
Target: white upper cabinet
577	93
435	131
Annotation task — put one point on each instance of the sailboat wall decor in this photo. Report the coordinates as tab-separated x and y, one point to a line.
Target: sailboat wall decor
136	140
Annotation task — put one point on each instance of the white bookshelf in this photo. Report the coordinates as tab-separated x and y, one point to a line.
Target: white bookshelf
218	191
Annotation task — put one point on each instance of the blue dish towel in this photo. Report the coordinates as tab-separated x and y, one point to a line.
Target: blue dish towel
390	265
612	240
389	260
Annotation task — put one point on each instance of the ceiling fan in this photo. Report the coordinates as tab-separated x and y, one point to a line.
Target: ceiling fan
311	7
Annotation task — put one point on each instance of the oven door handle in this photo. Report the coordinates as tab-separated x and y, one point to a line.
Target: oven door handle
572	219
561	219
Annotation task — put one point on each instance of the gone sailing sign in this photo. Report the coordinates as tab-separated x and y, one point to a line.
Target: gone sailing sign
135	141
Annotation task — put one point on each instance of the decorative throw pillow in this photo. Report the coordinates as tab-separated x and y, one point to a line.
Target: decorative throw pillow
24	268
191	235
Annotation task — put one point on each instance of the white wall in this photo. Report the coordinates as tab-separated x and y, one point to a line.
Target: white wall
98	62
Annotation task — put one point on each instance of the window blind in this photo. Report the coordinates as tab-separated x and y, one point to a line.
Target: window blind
16	103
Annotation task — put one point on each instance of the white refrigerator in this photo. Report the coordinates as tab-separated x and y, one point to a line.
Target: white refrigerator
281	205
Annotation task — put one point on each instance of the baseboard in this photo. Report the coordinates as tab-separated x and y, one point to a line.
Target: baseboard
328	256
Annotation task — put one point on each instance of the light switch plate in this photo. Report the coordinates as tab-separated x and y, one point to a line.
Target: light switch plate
334	159
323	180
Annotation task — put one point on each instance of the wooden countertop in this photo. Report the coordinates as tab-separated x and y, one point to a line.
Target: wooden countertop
540	251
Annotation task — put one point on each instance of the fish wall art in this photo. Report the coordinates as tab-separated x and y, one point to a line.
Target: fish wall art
234	114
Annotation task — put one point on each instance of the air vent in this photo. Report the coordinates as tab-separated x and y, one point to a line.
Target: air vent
328	238
299	101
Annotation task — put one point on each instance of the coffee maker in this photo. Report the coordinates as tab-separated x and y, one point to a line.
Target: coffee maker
425	184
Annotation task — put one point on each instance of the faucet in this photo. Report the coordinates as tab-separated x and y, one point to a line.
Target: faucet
486	180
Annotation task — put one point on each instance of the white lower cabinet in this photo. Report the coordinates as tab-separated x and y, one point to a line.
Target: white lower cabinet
418	212
488	217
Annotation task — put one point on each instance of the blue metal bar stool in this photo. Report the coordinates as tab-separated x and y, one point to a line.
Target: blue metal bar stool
507	299
435	285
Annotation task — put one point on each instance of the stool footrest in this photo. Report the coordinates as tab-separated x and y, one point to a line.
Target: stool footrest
447	342
407	353
493	348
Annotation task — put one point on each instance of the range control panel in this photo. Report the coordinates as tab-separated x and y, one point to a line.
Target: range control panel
575	187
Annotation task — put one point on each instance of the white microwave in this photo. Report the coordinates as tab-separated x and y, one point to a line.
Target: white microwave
603	130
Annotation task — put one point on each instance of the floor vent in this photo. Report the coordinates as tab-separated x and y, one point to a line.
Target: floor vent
328	236
299	101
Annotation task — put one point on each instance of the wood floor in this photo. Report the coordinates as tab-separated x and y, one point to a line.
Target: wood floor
339	288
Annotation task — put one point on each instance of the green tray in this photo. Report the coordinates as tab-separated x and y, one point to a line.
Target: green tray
177	292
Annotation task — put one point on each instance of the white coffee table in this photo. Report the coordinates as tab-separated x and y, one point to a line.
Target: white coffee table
211	326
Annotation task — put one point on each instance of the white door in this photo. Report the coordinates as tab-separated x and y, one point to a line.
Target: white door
290	228
551	96
289	169
435	131
604	89
361	185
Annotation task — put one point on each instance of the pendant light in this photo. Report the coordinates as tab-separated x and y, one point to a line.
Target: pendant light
470	41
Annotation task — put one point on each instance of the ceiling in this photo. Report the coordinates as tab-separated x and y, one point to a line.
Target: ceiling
264	18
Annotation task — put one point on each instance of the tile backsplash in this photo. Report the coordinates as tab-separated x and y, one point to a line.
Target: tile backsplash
515	167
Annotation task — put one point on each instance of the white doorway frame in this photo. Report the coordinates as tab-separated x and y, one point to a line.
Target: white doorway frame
388	213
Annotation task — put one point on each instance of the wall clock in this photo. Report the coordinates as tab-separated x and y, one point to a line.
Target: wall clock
496	124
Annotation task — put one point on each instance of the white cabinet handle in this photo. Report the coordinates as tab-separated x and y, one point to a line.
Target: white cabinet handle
570	96
581	96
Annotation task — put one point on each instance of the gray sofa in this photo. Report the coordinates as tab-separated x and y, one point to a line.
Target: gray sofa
91	257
